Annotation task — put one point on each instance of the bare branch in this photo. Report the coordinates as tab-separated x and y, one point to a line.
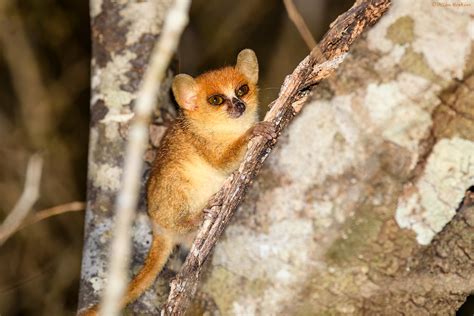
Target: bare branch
292	95
300	24
53	211
27	199
119	256
47	213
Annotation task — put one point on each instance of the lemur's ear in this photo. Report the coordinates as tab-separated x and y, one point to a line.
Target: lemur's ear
185	91
247	64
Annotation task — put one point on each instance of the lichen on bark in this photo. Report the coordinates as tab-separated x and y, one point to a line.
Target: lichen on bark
329	227
326	229
123	35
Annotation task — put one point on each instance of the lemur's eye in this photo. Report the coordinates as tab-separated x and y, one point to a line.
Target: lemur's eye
243	90
215	100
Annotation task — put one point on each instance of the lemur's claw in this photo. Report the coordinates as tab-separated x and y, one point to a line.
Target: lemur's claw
264	129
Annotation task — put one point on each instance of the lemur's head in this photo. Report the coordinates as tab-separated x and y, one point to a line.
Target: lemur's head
224	94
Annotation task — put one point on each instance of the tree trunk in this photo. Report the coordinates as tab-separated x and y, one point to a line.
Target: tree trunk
355	209
348	215
123	36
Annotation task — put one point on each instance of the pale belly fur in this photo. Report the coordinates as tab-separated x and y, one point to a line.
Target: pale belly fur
204	180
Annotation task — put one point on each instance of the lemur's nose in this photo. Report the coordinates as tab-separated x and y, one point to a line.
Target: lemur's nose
239	104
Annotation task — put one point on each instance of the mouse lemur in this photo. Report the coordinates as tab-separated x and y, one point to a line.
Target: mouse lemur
204	145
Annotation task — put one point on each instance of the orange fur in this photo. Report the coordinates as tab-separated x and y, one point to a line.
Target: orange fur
197	153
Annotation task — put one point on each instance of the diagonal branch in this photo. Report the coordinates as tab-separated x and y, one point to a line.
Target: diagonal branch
300	24
293	94
38	216
75	206
27	199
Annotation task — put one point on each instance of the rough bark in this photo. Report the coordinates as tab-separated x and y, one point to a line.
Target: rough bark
123	36
293	95
348	213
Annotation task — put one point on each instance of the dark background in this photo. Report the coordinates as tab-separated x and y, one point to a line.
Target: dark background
44	106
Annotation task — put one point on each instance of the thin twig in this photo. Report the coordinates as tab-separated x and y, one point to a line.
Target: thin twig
119	255
300	24
53	211
309	72
47	213
304	30
27	199
305	33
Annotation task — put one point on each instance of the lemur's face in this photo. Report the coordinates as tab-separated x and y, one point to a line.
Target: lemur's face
226	93
223	94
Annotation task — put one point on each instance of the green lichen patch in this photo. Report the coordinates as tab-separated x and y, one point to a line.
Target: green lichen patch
402	30
329	292
226	288
372	233
415	63
358	64
309	309
357	233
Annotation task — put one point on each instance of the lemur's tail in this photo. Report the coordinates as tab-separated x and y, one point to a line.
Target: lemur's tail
160	250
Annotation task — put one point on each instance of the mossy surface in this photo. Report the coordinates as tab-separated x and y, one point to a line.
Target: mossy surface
402	30
358	232
226	288
416	64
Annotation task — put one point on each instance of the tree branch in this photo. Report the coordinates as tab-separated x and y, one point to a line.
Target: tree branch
53	211
37	217
300	24
27	199
293	94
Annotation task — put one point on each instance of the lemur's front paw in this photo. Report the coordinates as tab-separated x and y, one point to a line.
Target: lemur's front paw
215	200
265	129
209	213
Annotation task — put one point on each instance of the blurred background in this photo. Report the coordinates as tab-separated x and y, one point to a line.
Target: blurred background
44	107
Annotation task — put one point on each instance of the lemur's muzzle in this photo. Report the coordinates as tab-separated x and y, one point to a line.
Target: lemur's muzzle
238	105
